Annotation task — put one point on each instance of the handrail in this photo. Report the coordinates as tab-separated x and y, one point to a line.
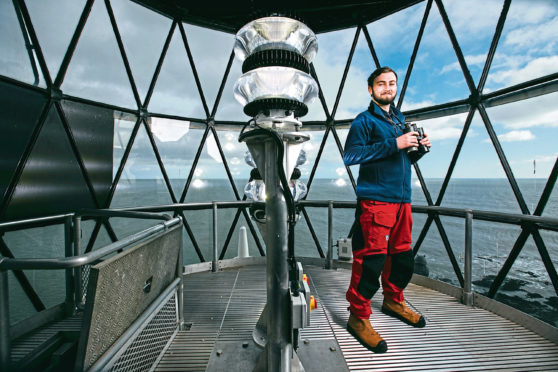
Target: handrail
60	218
546	223
83	259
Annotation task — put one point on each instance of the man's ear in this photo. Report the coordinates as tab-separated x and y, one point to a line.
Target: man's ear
369	89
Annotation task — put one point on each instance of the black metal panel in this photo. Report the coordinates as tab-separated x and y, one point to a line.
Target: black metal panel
51	181
93	128
19	111
319	15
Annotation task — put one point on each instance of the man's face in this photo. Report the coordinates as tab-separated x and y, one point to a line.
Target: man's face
384	88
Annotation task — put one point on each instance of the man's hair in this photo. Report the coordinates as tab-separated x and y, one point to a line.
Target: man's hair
377	72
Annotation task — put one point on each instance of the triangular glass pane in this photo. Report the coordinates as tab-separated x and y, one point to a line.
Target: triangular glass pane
527	137
478	180
527	48
97	71
142	182
102	239
551	209
68	190
20	306
201	224
474	27
189	255
235	153
305	246
14	59
432	254
143	44
55	22
330	62
444	134
123	127
227	216
177	142
92	129
492	244
434	62
20	109
229	109
394	45
355	97
315	111
210	182
331	181
176	92
528	287
39	242
124	227
211	62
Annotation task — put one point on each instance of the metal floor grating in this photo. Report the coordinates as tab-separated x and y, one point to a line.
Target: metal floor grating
225	306
22	346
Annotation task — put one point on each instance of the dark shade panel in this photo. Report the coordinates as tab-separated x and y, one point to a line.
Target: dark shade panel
319	15
19	112
92	128
51	181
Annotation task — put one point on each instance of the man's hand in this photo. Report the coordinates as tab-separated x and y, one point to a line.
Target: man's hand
426	141
407	140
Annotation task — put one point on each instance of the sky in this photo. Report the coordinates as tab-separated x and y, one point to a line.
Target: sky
528	49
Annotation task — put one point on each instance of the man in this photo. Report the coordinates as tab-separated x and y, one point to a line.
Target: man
382	238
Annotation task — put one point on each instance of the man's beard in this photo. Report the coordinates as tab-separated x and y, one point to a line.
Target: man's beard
383	101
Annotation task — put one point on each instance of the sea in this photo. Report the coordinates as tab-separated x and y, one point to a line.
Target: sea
527	287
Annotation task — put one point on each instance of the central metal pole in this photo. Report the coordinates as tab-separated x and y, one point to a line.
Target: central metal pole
279	347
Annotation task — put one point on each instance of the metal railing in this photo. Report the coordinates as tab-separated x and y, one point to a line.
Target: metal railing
73	262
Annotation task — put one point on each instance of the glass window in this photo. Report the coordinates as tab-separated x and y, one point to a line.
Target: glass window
434	79
143	34
527	47
526	130
97	70
54	22
14	59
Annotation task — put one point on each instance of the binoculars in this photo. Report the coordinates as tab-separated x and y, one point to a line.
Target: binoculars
416	152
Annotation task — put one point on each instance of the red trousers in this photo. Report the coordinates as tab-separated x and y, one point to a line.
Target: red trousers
381	245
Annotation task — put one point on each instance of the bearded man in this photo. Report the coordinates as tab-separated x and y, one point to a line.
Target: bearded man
383	221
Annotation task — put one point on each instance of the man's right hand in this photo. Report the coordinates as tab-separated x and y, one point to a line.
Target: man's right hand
407	140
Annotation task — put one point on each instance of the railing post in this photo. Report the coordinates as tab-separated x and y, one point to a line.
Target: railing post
68	244
329	261
4	322
467	288
78	299
179	273
214	266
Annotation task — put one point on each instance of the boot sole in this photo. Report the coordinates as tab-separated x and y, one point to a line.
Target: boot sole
378	349
420	324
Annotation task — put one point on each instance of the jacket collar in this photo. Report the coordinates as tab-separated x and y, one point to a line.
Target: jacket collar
375	110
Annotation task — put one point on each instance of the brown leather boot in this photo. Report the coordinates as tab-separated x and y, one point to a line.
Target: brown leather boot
402	312
362	330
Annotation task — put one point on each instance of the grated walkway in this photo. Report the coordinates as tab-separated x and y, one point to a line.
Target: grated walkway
225	306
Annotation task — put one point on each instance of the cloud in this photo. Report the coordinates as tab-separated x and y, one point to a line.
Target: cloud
534	69
476	60
516	135
534	112
533	35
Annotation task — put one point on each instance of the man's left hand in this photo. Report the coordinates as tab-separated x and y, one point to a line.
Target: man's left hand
426	141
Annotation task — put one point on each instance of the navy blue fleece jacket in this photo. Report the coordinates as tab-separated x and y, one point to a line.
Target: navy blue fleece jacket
385	171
